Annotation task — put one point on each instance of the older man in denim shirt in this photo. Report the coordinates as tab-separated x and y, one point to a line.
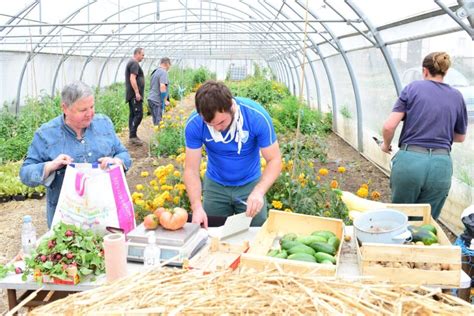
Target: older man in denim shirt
75	136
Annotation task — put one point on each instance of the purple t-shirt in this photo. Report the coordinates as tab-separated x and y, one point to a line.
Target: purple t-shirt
434	111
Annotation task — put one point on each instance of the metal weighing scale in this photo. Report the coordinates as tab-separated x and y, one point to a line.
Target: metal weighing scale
184	242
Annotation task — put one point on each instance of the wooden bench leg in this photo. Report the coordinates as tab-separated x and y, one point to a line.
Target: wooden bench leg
12	299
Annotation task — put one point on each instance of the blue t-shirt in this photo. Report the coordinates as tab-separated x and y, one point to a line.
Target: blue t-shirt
225	166
434	111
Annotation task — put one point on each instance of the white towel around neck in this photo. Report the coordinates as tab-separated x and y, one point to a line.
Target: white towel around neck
235	131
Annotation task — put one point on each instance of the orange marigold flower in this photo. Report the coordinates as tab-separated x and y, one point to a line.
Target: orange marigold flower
362	192
334	184
375	195
323	171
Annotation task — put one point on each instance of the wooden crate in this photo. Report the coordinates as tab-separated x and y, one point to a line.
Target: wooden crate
216	256
279	223
370	253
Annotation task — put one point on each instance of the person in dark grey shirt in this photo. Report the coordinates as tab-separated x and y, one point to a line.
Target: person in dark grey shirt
159	90
434	116
135	88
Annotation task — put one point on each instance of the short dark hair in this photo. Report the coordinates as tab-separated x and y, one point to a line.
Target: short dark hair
165	60
213	97
137	50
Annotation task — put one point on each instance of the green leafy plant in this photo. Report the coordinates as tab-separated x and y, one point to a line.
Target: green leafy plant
345	112
307	192
68	250
4	269
310	147
11	185
111	102
167	142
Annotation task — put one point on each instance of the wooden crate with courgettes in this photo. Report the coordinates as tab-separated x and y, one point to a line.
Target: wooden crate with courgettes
276	226
438	264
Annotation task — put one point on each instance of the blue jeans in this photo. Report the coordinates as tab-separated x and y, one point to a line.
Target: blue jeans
155	111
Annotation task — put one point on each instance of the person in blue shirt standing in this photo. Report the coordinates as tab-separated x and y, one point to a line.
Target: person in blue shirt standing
434	116
233	131
159	90
78	135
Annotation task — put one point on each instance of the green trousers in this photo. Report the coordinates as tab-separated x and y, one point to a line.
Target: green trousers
421	178
220	200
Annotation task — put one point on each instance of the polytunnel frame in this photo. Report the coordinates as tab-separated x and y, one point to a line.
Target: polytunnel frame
90	57
103	67
227	13
278	65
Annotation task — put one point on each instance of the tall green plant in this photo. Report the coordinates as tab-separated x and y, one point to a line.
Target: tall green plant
111	102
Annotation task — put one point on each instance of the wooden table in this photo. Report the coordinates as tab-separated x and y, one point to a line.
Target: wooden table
348	268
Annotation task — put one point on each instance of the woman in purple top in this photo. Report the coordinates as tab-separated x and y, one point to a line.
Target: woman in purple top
434	116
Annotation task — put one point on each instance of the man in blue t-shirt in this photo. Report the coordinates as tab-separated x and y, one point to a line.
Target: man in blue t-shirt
234	131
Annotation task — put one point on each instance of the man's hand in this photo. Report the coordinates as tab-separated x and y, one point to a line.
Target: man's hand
106	161
254	204
138	97
200	217
386	148
59	162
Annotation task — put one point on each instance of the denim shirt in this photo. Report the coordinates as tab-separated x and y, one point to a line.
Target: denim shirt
54	138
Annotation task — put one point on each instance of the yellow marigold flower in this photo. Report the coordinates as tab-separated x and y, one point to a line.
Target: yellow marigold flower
277	204
301	177
334	184
137	195
323	171
140	202
179	186
153	182
341	169
181	157
365	186
177	174
156	188
288	210
362	192
176	200
375	195
144	174
139	187
169	168
156	128
181	150
318	178
162	180
311	164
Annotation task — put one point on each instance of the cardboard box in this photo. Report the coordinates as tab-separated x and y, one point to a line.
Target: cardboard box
279	223
216	256
370	255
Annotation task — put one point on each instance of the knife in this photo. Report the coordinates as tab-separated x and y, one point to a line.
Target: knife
235	224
